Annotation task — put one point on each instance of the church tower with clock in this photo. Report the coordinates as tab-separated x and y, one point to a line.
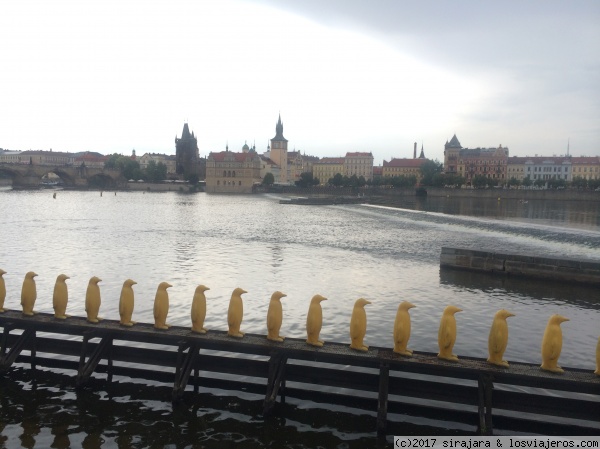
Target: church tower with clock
279	151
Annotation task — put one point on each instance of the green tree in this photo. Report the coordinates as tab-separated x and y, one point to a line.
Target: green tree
557	183
127	166
594	184
352	181
539	183
513	182
579	182
307	180
527	181
155	172
428	170
480	182
337	180
269	179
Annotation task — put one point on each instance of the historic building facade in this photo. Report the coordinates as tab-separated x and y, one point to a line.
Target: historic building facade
403	167
169	160
327	167
546	168
229	172
359	164
187	154
515	168
586	167
469	163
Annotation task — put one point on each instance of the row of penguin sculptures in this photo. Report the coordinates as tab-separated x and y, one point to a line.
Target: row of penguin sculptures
497	341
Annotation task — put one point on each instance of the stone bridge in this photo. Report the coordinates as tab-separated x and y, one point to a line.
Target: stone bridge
26	176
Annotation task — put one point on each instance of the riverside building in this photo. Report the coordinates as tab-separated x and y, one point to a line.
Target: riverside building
471	162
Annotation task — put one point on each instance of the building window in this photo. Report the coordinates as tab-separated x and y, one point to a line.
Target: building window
240	183
224	173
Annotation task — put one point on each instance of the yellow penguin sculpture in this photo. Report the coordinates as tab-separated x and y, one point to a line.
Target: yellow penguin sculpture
235	313
161	306
60	297
2	290
275	317
314	321
498	338
447	334
28	294
92	300
199	310
552	344
358	325
597	372
402	329
126	303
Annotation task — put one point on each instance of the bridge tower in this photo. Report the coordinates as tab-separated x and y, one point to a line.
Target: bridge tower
186	153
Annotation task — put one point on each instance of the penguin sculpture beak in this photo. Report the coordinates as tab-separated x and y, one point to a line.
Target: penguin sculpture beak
34	275
368	302
510	314
243	291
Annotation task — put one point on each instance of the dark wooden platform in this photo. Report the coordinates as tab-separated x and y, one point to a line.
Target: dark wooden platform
470	391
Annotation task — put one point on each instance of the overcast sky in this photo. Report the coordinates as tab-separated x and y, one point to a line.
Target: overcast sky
346	75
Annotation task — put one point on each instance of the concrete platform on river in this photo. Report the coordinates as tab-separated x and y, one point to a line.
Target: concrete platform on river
540	267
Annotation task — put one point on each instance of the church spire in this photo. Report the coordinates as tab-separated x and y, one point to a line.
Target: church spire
279	130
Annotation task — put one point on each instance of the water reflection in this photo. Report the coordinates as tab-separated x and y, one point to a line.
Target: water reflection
585	297
127	415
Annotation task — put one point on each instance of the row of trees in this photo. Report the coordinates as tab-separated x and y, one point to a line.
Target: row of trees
154	172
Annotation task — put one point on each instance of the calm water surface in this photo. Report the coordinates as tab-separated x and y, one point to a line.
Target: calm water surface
341	252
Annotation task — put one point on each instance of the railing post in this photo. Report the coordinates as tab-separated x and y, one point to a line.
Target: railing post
485	385
275	380
382	402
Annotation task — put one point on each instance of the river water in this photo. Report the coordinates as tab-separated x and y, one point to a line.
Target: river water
384	254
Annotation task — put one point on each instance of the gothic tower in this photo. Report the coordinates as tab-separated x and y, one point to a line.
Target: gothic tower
279	151
186	153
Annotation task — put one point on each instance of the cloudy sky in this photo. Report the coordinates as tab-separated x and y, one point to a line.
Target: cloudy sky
346	75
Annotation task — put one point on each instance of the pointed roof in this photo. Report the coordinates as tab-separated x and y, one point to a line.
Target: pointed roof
454	143
185	134
422	155
279	131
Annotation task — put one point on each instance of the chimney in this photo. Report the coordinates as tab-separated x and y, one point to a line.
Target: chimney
415	152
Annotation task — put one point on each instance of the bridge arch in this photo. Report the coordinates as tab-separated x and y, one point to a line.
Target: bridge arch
101	181
66	177
14	175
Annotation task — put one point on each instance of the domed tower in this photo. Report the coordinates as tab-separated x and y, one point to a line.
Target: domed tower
279	151
186	153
